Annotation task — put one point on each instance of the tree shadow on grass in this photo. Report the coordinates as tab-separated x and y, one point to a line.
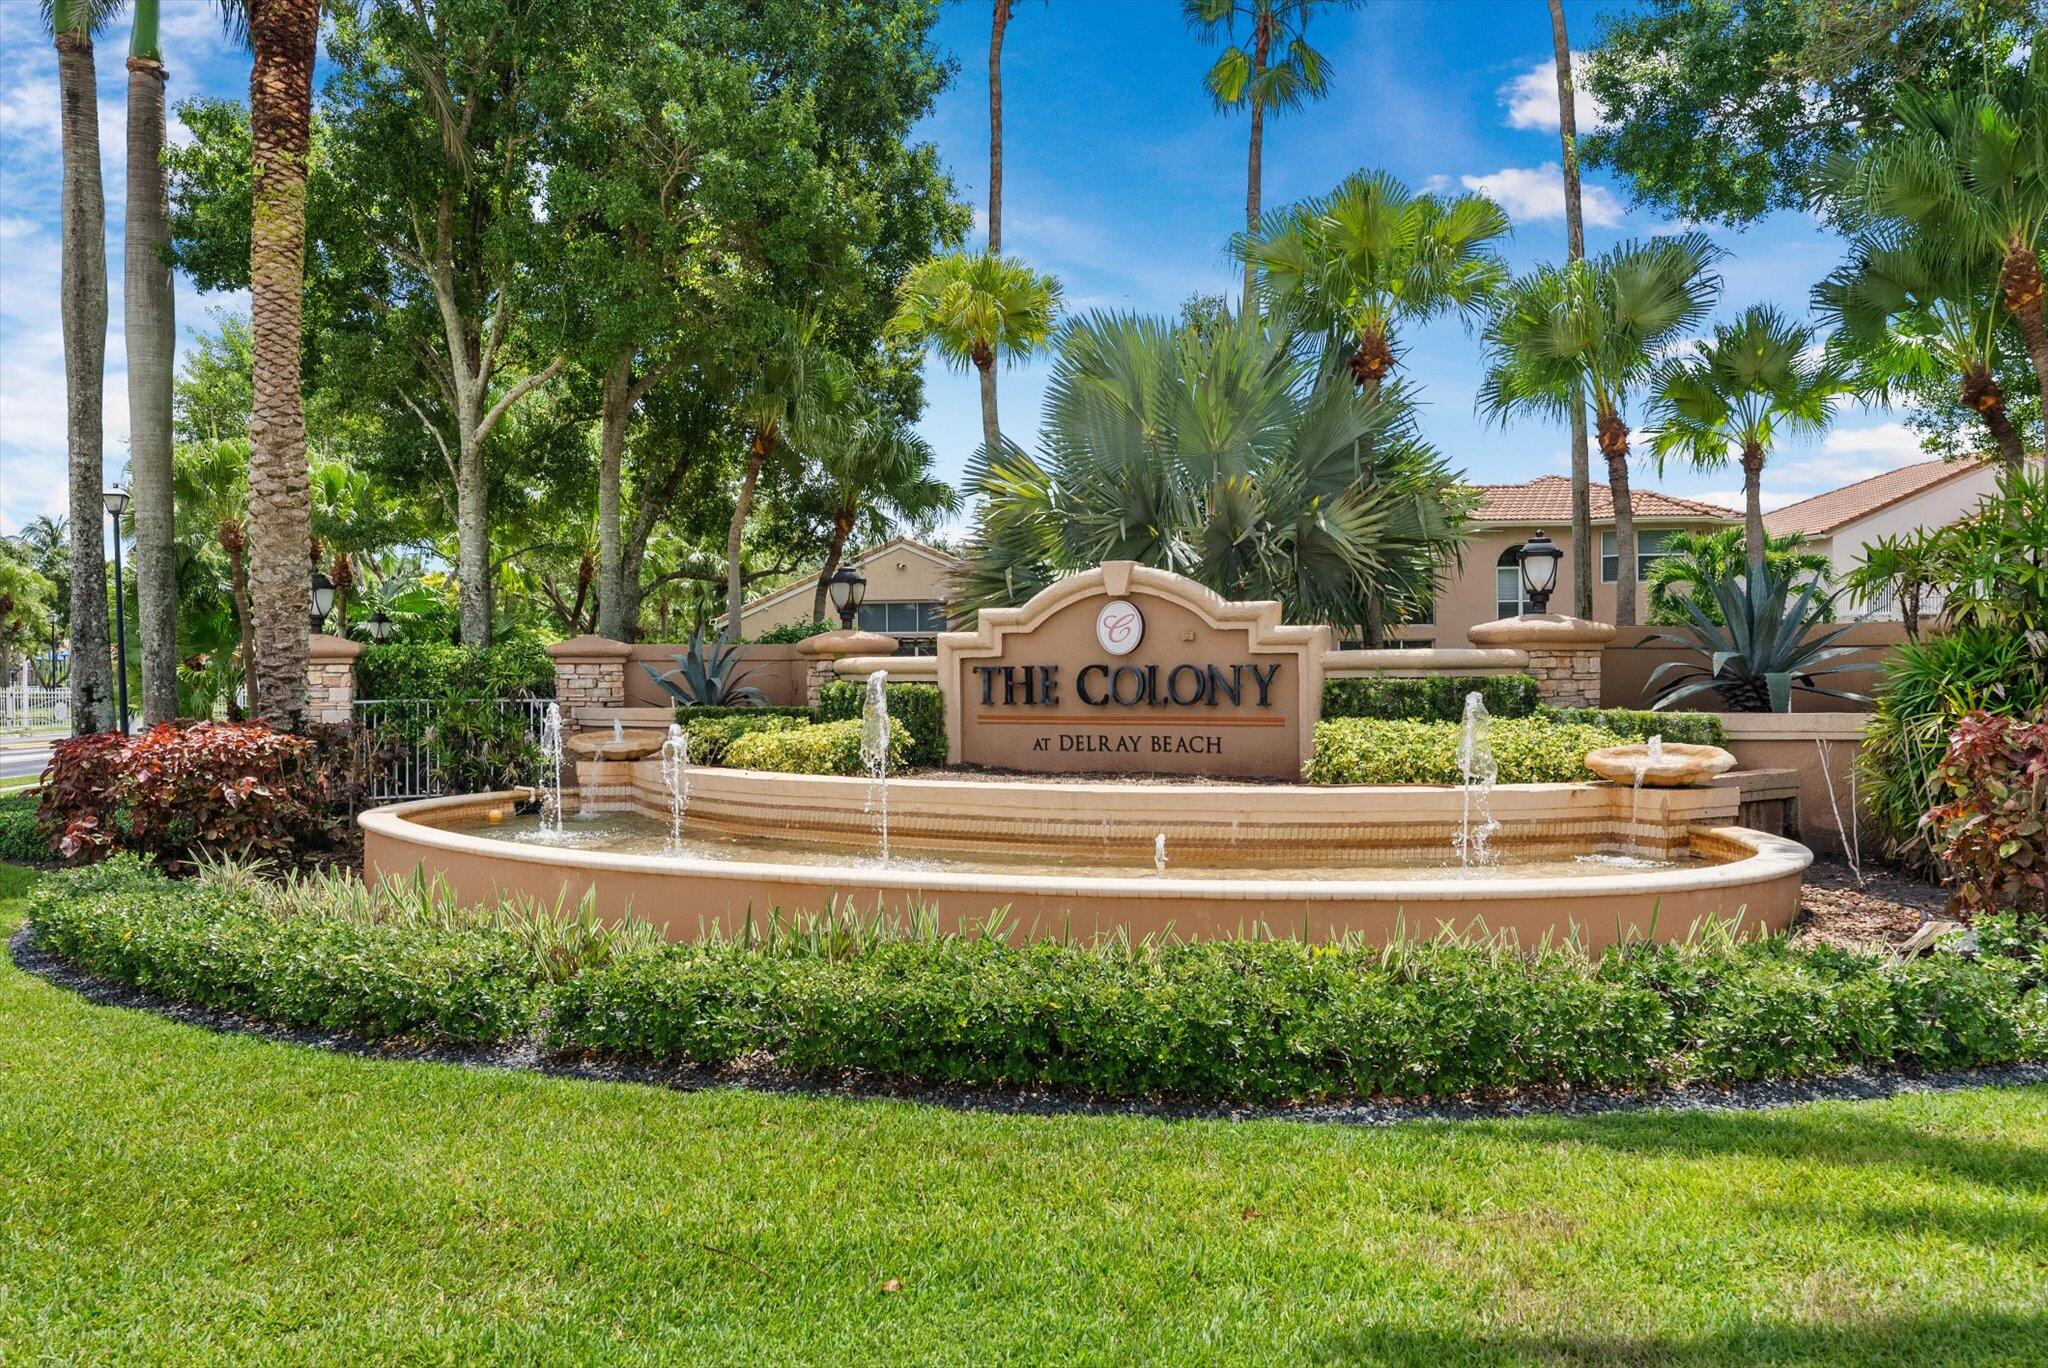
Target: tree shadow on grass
1975	1337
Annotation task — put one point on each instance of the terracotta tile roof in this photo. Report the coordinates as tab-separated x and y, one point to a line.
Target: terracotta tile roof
1825	513
1548	499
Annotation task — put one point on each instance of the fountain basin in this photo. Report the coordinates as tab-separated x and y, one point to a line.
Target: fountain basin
1673	765
602	745
1077	857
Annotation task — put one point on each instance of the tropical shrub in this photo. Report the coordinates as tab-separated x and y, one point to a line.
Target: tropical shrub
1640	724
515	668
23	838
1433	698
790	633
1691	561
1528	750
921	708
707	676
813	748
1992	833
712	737
175	792
1772	638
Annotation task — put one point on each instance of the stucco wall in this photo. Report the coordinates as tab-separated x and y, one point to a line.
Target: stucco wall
895	575
1937	507
1627	663
777	671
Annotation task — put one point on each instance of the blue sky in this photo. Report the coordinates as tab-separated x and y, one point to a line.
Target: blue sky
1119	178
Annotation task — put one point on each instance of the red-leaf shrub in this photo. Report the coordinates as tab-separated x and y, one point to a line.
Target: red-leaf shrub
1993	832
176	790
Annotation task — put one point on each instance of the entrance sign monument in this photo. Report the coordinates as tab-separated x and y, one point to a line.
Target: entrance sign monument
1125	669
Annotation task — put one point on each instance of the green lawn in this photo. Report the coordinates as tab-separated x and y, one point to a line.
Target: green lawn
170	1193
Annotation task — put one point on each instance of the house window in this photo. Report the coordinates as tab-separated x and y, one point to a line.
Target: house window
1508	598
903	619
1651	547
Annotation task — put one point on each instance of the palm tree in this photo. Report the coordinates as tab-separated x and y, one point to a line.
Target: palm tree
1223	454
1731	397
1904	569
1575	250
1277	70
978	309
149	326
1903	309
211	493
796	380
1000	22
1595	328
84	316
1968	172
1694	562
874	472
1371	255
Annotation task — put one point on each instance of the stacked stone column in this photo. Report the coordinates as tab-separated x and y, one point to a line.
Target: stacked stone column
590	672
331	680
825	650
1564	653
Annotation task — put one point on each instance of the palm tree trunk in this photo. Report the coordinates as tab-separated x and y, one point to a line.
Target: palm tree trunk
284	34
1614	446
991	430
995	127
148	324
238	594
616	408
1583	550
2020	280
835	550
743	506
83	312
1753	541
1981	393
1262	46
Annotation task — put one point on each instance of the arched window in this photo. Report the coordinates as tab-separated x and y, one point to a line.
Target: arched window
1509	600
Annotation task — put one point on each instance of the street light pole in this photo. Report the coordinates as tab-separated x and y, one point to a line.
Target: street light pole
117	504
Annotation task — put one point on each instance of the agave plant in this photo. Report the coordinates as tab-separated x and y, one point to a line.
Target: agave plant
706	677
1768	643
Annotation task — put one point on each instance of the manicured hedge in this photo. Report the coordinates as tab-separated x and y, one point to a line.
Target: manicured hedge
1262	1021
712	737
812	748
505	669
1528	750
921	708
23	838
1640	724
1436	698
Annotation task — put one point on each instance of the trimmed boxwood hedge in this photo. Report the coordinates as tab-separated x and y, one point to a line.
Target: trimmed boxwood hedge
1435	698
713	730
1528	750
433	670
812	748
921	708
1640	724
1261	1021
23	838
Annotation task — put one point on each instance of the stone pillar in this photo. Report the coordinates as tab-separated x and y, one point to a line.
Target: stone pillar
1564	653
590	672
331	679
825	650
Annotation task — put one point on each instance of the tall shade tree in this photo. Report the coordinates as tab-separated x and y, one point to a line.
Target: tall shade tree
1596	328
1907	314
978	309
1968	174
1730	398
1371	256
149	326
1273	67
83	313
1575	250
999	22
794	381
1224	453
872	472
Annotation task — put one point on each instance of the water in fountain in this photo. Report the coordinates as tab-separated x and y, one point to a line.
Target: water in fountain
874	752
618	731
551	767
1653	756
675	777
1479	772
1159	853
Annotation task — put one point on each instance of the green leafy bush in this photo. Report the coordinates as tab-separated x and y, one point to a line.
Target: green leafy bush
23	840
921	708
517	668
1528	750
1992	832
1640	724
813	748
790	633
1434	698
711	738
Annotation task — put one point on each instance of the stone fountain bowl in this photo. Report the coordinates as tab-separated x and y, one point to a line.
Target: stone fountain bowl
601	745
1680	766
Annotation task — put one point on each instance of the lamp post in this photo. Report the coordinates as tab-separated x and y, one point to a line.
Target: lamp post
117	504
323	599
378	628
847	589
1538	561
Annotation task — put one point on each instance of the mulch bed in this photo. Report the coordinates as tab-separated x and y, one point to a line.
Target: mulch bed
1882	910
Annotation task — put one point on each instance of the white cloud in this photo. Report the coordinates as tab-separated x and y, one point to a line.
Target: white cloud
1531	194
1531	98
1732	498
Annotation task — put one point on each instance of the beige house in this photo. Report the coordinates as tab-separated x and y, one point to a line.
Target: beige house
1842	522
908	583
1489	585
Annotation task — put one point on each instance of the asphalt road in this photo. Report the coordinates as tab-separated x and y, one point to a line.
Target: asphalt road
16	761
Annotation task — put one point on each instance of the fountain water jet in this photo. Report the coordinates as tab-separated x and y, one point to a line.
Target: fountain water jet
1653	756
675	777
1476	766
1159	853
551	765
874	752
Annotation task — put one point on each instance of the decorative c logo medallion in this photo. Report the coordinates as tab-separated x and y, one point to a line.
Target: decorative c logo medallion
1119	627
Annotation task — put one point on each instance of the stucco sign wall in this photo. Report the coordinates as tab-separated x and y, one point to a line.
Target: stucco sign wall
1129	670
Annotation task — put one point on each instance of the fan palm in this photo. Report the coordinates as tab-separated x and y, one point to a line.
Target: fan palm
873	472
1906	309
978	309
1372	254
1594	328
1732	396
1693	561
1903	569
1223	454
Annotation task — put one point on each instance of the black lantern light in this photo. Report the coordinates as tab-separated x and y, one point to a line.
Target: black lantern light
847	589
117	504
1539	558
323	599
378	628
